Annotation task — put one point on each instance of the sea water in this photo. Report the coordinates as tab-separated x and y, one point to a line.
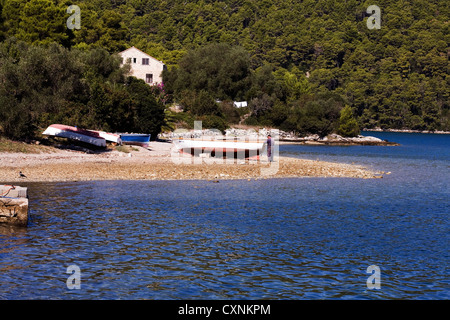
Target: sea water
291	239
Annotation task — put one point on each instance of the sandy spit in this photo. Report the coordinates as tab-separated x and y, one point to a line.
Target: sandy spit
157	163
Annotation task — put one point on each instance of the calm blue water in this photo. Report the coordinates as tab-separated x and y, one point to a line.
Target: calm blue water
292	239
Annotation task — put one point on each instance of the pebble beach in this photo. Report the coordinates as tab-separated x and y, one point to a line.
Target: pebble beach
157	163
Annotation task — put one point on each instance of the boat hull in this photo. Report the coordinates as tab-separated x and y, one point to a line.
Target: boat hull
138	139
111	137
74	133
220	148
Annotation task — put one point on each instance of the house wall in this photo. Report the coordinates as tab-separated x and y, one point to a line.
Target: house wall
240	104
139	70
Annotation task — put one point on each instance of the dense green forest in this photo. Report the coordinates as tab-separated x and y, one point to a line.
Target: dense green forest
308	66
86	88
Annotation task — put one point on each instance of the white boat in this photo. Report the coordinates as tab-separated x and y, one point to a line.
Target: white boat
237	148
74	133
111	137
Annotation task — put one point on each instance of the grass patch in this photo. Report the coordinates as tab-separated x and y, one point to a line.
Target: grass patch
11	146
126	149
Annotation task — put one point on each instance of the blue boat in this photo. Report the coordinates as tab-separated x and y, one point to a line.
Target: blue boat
138	139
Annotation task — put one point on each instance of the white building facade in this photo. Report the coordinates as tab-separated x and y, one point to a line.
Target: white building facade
240	104
143	66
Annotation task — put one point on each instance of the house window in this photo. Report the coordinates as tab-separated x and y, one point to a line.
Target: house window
134	60
149	78
145	61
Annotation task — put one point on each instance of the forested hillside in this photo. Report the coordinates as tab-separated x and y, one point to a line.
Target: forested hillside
298	63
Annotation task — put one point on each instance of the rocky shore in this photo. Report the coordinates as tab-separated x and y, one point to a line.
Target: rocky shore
156	163
407	131
283	137
334	139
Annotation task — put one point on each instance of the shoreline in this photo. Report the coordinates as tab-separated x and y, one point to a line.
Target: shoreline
406	131
155	163
338	142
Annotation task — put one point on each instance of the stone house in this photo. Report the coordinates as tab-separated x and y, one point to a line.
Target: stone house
143	66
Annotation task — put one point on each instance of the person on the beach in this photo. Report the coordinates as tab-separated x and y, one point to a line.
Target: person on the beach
269	148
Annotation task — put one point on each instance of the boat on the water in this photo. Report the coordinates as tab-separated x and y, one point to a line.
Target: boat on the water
138	139
74	133
220	148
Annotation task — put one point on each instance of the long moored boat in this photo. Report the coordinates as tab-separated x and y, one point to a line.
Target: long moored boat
220	147
74	133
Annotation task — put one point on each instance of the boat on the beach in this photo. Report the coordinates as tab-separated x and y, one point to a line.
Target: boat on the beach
74	133
111	137
223	148
139	139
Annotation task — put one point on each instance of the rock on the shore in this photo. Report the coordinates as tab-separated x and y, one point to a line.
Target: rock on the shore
13	205
277	135
230	132
337	138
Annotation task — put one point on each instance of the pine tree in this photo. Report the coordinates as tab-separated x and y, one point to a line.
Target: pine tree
348	126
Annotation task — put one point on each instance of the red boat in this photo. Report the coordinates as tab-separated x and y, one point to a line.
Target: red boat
74	133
